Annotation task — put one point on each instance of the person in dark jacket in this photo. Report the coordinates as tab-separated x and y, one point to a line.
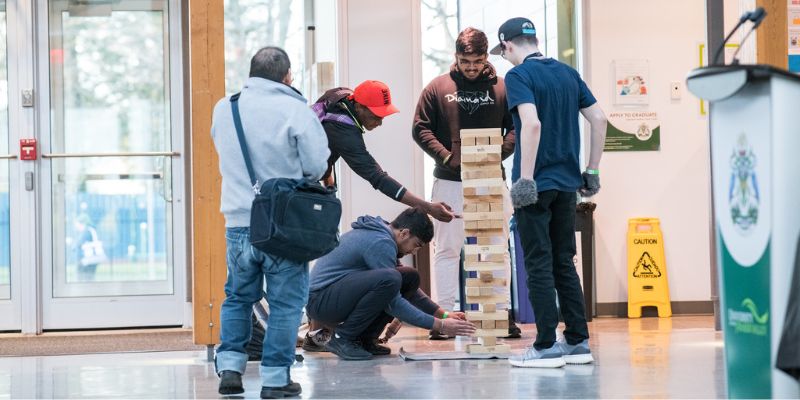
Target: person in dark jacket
470	96
358	287
346	115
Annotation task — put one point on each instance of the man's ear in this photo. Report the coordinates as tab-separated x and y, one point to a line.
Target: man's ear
288	79
405	233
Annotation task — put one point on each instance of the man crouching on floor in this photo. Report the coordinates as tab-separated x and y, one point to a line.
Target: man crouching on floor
358	288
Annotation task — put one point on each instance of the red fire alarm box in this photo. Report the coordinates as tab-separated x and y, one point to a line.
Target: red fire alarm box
27	149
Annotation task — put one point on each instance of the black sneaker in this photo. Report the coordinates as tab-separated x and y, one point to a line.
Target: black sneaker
292	389
374	348
316	343
436	335
230	382
513	330
347	349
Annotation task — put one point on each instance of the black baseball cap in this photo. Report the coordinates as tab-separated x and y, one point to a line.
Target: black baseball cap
512	28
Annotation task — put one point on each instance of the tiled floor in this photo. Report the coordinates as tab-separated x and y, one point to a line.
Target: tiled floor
679	357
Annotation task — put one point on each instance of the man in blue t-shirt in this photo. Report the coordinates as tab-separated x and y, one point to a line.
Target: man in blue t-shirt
545	97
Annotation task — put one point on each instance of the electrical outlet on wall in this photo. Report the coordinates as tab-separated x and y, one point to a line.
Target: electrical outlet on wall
675	90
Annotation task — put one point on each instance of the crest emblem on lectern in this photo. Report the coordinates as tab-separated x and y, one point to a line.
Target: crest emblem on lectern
743	195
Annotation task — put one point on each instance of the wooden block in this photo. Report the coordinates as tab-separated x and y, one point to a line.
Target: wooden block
483	216
496	207
488	307
485	249
478	324
496	140
481	349
495	282
473	291
485	266
485	276
486	291
482	141
492	157
468	141
483	224
472	258
472	232
492	150
488	324
471	225
487	316
491	332
485	183
488	299
470	208
487	341
484	240
482	132
501	324
493	258
484	207
470	191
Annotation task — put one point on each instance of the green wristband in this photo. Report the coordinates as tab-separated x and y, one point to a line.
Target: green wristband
444	316
593	171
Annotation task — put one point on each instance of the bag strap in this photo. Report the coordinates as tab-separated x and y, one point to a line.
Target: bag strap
237	122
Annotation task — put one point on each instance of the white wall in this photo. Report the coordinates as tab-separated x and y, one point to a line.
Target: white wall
380	40
671	184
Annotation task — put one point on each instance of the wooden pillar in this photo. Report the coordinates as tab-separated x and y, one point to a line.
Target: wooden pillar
207	60
773	37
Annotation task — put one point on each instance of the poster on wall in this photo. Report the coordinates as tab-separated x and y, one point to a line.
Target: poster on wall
631	80
633	131
794	35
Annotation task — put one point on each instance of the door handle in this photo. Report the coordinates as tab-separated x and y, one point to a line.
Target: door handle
7	156
29	181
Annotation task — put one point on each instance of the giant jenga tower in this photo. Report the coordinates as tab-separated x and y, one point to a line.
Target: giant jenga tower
484	220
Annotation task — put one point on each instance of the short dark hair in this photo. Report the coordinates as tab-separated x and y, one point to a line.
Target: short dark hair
270	63
525	40
417	222
472	41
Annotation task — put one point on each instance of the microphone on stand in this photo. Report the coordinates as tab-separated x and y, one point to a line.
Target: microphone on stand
756	17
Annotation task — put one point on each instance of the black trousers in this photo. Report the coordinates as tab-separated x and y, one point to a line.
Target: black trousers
355	304
547	233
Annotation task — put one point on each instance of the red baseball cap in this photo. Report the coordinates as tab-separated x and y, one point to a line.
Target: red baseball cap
376	96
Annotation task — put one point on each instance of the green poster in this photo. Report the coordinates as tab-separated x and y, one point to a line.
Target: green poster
633	131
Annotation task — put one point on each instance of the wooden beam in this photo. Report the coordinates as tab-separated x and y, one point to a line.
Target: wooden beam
772	46
207	60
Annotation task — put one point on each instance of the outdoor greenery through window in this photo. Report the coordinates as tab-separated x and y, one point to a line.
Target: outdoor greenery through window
253	24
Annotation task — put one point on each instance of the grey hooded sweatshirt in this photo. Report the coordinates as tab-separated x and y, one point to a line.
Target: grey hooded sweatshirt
370	245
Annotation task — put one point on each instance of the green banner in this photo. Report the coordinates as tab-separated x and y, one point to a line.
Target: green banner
745	319
643	139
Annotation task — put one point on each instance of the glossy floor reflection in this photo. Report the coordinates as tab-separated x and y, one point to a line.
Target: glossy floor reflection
679	357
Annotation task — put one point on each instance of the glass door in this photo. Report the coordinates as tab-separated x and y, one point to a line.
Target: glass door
5	162
112	225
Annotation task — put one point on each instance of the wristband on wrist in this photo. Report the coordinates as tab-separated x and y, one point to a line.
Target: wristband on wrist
446	159
593	171
444	316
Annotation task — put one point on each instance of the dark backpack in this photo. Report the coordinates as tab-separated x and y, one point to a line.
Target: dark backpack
297	219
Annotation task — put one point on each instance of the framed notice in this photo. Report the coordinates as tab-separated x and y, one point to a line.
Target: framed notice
631	82
633	131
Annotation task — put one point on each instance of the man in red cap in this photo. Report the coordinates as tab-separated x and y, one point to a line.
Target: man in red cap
346	115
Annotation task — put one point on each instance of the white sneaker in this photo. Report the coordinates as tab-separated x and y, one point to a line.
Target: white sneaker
544	358
576	354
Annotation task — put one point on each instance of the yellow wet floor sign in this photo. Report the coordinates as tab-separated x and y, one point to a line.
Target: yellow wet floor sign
647	270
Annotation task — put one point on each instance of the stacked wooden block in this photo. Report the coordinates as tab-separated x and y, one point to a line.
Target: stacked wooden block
484	219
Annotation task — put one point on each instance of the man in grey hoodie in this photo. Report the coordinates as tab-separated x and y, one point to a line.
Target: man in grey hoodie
358	287
285	140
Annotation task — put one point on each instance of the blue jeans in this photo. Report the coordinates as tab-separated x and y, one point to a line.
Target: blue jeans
287	293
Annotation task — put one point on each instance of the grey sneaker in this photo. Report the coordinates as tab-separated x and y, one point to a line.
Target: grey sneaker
544	358
576	354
